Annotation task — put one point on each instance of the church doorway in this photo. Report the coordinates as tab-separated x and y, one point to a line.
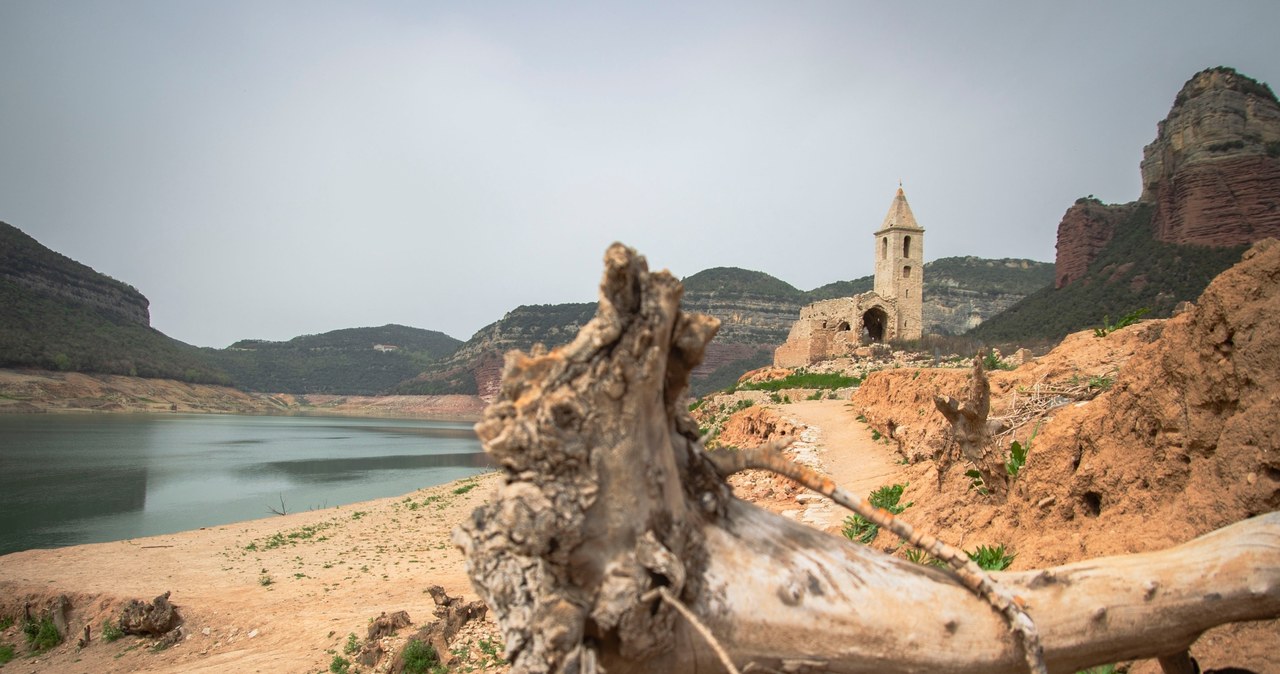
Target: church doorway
873	323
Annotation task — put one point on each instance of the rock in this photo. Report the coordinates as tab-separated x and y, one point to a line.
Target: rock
1086	228
158	617
1213	170
385	625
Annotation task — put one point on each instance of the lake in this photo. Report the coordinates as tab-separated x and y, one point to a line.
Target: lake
72	479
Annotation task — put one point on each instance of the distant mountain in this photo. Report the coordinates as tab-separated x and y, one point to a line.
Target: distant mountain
352	361
58	314
475	367
756	311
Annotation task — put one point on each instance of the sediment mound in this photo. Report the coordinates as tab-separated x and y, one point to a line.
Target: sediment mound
1172	437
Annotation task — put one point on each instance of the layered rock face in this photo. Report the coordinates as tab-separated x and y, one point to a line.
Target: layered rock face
1212	173
1213	170
27	263
1086	229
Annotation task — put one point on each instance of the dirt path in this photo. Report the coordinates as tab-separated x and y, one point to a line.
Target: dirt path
845	451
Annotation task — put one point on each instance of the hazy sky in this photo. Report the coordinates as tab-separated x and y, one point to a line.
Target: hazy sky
268	169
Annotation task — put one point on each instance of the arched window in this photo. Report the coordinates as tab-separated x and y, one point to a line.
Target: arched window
884	248
906	272
906	246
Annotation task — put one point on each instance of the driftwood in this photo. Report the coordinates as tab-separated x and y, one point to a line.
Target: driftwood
972	431
610	503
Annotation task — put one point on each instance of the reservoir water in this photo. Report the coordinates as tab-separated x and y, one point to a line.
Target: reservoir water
71	479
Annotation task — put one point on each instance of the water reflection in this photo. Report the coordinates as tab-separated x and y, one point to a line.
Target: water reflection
67	480
340	469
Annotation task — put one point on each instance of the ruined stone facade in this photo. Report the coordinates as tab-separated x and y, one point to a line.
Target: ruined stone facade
892	310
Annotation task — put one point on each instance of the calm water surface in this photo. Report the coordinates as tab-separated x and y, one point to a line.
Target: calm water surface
67	479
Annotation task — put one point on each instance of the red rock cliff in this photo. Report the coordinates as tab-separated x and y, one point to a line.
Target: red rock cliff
1213	170
1086	228
1212	173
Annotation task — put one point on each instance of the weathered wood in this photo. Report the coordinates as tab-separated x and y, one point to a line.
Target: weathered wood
971	431
608	495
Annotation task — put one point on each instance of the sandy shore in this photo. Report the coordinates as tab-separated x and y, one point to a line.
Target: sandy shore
281	594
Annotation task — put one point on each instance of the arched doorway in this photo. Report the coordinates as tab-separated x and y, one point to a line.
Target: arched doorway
874	321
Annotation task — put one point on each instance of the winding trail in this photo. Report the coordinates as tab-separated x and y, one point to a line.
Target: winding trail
844	450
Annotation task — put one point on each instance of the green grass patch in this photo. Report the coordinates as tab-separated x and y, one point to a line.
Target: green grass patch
860	529
815	380
464	488
6	653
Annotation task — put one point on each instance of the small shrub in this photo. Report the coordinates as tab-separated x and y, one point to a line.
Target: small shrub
353	644
339	665
265	580
923	558
6	622
421	658
975	481
696	404
1101	382
464	488
1100	669
111	631
875	435
6	651
1017	458
992	559
859	528
1124	322
42	634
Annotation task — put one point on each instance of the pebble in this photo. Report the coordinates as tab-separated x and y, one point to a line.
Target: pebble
253	633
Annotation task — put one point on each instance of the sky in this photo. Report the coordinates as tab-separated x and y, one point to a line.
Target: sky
267	169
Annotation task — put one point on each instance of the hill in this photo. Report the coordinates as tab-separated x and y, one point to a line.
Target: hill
1133	271
353	361
58	314
756	311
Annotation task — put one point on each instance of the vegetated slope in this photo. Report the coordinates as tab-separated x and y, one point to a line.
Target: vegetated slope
58	314
475	367
353	361
1132	271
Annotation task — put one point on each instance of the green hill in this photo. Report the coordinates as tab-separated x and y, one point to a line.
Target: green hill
58	314
1134	271
354	361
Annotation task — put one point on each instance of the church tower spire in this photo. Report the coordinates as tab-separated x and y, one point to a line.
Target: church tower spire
900	265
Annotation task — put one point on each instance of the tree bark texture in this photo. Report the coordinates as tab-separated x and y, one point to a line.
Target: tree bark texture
608	494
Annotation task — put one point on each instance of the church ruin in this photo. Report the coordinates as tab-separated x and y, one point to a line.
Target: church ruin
893	310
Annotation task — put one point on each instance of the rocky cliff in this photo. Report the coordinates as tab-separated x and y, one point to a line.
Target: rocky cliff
26	263
1086	229
1213	170
1212	175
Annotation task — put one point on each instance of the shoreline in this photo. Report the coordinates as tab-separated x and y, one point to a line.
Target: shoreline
46	392
277	593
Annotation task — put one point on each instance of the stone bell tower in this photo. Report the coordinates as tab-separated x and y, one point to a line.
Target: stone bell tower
900	266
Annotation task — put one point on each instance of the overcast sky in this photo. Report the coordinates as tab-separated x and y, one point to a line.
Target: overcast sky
270	169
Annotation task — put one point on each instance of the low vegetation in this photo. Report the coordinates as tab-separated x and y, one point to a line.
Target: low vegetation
802	379
420	657
1134	270
41	634
992	558
858	528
